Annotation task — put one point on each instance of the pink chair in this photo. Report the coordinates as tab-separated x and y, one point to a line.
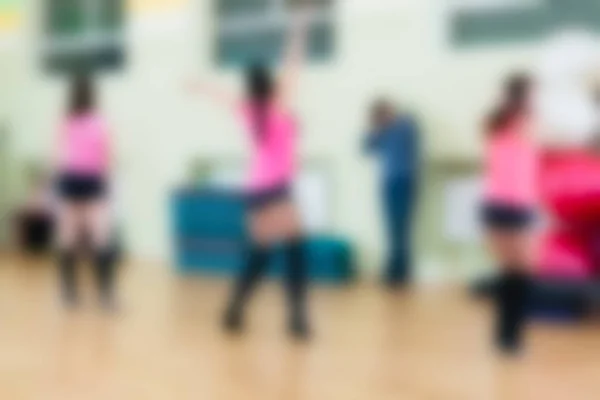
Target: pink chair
570	191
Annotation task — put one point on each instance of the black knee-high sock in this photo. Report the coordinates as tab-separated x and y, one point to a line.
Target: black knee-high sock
250	275
512	304
297	284
68	278
105	263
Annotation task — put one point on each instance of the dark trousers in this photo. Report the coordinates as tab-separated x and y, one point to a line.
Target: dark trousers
399	198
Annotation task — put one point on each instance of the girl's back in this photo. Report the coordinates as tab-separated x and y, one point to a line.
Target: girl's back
511	166
84	147
274	146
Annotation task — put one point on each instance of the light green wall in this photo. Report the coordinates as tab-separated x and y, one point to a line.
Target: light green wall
7	90
402	52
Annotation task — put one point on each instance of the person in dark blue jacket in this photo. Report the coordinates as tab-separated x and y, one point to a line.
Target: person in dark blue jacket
394	141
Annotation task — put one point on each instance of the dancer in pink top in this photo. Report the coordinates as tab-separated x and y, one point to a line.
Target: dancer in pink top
82	163
274	148
510	201
267	116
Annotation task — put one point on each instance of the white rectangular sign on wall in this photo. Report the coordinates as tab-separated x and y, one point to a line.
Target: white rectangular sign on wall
312	192
462	199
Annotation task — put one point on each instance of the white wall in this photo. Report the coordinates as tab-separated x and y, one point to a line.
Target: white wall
400	49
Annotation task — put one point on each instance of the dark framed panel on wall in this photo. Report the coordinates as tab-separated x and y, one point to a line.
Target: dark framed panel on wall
84	35
256	30
504	21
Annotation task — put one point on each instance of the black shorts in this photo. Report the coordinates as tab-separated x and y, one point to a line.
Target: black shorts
76	187
504	216
260	199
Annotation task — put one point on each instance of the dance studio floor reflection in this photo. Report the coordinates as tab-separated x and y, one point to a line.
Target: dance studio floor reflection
165	343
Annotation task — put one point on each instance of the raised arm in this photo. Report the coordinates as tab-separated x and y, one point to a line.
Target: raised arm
214	92
294	56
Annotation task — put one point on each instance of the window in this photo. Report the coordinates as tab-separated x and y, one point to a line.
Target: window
83	34
256	30
490	21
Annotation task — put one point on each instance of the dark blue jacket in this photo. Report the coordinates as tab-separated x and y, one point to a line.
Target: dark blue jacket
397	147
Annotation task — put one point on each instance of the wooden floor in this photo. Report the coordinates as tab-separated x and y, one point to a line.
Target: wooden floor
165	344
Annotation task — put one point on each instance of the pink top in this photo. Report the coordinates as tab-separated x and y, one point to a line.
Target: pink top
84	147
512	168
274	153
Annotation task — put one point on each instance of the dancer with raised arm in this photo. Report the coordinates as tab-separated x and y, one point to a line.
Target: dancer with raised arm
267	115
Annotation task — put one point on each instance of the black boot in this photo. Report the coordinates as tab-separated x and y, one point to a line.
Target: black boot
297	288
512	305
250	275
105	262
68	279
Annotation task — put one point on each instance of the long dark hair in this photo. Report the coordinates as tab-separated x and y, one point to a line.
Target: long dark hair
515	103
83	95
260	90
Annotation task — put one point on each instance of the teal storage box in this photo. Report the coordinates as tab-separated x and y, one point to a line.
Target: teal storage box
210	238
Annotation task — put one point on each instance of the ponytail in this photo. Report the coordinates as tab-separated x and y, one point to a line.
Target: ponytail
260	89
260	119
514	105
